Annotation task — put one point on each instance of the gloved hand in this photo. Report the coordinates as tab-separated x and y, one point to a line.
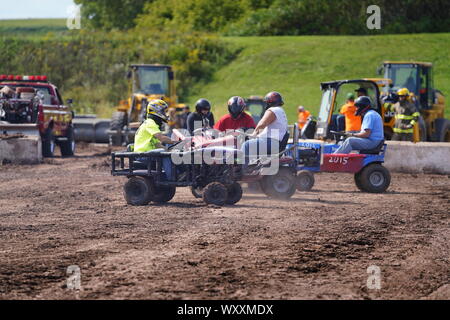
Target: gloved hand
407	126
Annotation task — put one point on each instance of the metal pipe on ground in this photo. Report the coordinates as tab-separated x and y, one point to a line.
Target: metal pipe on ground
91	129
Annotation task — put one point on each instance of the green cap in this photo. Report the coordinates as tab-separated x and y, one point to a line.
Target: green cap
350	96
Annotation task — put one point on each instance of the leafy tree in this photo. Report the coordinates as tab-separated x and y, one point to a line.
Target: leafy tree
111	14
197	15
295	17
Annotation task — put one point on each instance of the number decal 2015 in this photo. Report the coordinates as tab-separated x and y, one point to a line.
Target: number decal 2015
341	160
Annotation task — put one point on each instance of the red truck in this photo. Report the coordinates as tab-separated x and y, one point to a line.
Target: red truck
33	105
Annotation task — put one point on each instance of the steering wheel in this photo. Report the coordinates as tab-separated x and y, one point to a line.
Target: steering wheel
197	131
169	148
339	133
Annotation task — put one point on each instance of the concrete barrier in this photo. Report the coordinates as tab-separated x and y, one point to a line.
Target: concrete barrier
421	157
27	150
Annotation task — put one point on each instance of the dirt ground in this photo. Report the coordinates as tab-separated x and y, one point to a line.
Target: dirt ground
316	246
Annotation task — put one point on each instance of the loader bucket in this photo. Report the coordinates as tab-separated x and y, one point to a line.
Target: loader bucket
24	129
91	129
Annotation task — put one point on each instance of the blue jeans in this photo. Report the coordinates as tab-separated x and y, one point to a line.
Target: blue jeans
259	146
354	143
166	164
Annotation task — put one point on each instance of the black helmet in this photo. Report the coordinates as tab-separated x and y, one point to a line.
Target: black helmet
236	106
273	99
362	90
202	104
362	104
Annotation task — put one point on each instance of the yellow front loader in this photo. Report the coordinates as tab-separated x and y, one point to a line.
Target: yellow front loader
417	77
148	82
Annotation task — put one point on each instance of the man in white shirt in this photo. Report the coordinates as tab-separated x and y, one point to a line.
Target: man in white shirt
270	131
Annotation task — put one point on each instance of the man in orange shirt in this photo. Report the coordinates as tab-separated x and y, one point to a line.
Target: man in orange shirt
303	116
352	122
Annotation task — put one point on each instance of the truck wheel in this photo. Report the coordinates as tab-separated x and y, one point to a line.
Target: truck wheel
164	194
68	147
197	192
305	180
234	193
375	178
215	193
118	122
138	191
279	186
48	144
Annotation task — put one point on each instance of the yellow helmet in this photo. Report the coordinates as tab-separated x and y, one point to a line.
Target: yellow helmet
157	108
403	92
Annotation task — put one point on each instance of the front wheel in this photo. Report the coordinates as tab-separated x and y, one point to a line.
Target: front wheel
68	146
138	191
215	193
48	144
442	130
305	180
164	194
118	122
374	178
197	192
279	186
422	130
234	193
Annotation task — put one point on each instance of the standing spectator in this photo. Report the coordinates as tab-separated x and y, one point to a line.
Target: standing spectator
184	116
303	116
361	92
352	122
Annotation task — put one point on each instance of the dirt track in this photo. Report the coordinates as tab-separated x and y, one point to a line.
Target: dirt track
316	246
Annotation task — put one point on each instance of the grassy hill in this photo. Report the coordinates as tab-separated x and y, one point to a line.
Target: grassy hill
32	27
295	66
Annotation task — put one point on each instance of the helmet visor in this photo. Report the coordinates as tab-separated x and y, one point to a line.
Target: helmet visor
235	110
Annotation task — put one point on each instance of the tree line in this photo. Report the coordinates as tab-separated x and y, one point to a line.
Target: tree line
268	17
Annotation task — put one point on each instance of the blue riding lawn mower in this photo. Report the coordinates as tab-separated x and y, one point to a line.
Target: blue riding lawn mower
317	155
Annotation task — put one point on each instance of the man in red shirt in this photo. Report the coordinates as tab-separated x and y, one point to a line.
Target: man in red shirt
236	118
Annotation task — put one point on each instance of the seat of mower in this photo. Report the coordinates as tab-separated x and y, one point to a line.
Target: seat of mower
284	141
139	165
286	159
375	150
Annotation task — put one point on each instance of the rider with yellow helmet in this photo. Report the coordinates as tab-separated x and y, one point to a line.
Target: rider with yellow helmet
149	135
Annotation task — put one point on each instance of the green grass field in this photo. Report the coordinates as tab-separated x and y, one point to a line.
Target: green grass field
295	66
32	27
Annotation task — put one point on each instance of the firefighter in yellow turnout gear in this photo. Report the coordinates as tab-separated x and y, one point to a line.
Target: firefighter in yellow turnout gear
406	116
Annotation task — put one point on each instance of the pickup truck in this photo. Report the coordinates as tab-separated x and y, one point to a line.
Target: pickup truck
33	105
